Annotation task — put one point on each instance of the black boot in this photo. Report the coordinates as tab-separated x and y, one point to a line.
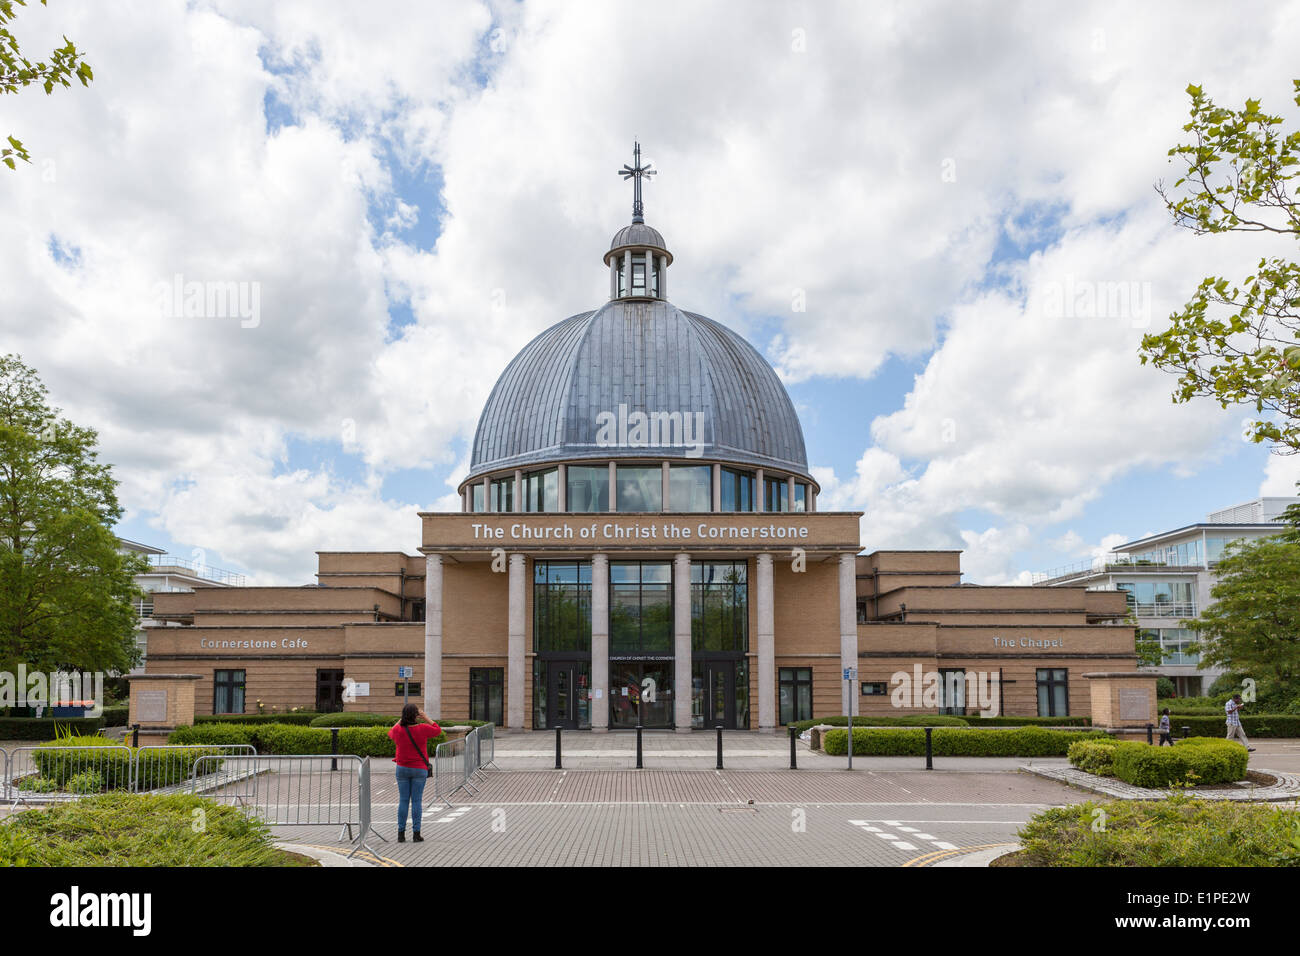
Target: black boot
401	836
417	838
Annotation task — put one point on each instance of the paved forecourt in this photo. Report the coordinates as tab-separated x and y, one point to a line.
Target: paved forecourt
714	818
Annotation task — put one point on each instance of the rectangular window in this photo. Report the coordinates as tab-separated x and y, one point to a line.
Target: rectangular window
228	692
476	502
875	688
640	488
640	607
775	495
329	690
690	488
952	691
737	490
795	694
587	490
638	277
503	495
719	606
1053	692
562	606
800	497
487	694
413	688
542	490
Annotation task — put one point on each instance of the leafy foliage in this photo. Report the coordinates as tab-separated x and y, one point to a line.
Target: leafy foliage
16	72
1238	343
66	594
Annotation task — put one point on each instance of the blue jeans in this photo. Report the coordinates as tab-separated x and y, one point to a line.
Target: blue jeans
410	786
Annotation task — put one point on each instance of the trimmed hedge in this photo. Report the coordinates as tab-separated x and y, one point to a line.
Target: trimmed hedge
117	715
300	717
294	739
944	720
353	719
1093	756
975	742
1191	761
1176	832
43	728
77	771
1255	725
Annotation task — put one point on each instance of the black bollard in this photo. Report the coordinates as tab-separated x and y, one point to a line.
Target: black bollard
638	747
559	764
1187	731
135	735
793	733
334	748
1150	738
719	746
929	748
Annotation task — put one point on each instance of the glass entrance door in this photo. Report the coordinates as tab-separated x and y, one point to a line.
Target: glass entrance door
640	692
720	696
567	687
952	691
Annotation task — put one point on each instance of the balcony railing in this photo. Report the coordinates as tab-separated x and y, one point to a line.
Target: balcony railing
162	562
1177	609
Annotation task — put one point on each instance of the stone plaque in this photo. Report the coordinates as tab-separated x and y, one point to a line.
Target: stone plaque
1134	704
151	706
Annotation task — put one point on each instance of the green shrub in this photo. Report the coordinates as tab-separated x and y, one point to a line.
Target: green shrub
116	715
1178	832
119	768
35	783
976	742
1072	721
88	781
353	719
1093	756
302	717
1165	687
123	829
212	734
1206	760
1255	725
47	728
866	720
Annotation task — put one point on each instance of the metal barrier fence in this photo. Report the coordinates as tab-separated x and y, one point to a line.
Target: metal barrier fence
295	790
457	763
164	767
41	775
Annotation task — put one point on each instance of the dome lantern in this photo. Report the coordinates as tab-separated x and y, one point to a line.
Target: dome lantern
638	259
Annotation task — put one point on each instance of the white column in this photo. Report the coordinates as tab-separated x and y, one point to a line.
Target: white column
562	488
717	487
613	485
812	499
464	499
766	645
627	270
789	492
515	646
599	643
760	493
663	277
487	494
849	627
666	492
613	278
433	636
682	643
519	489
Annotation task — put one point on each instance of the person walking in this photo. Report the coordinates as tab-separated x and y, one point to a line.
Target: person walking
1166	731
411	735
1233	711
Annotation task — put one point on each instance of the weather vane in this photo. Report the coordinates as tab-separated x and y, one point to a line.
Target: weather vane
637	172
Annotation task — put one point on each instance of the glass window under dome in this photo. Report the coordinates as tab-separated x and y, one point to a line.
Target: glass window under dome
737	490
476	503
542	490
588	488
800	502
640	488
503	494
775	495
690	488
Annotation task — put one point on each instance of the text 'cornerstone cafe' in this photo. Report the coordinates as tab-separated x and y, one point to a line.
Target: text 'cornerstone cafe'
639	542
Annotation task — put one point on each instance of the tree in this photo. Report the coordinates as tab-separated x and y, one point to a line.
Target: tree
1253	626
66	594
16	71
1238	343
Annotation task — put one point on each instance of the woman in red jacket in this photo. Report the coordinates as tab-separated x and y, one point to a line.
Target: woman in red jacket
411	735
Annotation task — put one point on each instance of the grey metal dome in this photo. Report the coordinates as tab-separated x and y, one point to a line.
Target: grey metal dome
650	357
638	234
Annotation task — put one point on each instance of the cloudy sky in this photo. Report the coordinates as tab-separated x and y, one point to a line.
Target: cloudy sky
406	193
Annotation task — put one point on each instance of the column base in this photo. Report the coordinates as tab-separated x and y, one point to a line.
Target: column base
684	730
600	730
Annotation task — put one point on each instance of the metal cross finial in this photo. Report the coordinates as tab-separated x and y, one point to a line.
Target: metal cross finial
637	172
